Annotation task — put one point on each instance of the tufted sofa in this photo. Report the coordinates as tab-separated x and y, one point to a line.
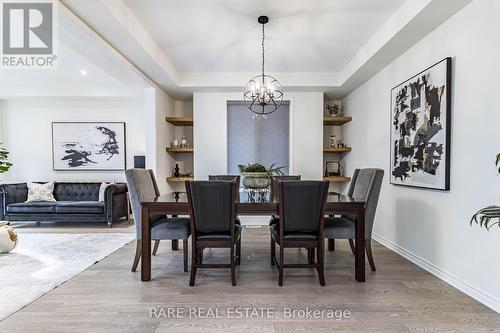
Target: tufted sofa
76	202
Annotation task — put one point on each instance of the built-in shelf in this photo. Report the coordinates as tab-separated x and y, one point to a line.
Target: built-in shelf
178	179
180	121
180	150
336	121
339	179
337	149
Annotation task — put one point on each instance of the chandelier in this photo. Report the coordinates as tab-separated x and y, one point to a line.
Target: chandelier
263	93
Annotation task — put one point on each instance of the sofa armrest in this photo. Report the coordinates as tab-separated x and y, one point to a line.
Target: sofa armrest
115	201
12	193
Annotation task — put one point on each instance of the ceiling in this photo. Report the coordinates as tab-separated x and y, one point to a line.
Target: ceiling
201	36
77	50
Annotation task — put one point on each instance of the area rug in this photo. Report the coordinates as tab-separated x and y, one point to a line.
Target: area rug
41	262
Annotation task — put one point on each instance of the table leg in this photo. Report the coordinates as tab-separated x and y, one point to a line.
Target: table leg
146	246
359	259
175	244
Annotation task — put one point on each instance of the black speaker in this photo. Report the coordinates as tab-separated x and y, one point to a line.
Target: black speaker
140	162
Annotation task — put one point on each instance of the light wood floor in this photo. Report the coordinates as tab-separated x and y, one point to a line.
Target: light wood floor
399	297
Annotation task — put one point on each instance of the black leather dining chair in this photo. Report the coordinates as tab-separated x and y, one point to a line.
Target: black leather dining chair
365	185
230	178
302	210
142	186
225	177
212	211
274	181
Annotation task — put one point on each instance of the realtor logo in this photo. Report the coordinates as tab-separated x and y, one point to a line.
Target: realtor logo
28	34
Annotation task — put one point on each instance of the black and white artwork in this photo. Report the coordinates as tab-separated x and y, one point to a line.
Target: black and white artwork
89	146
420	131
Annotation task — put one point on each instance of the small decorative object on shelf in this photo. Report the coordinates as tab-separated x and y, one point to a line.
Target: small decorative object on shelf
334	108
333	168
333	140
176	143
176	171
8	238
184	143
340	144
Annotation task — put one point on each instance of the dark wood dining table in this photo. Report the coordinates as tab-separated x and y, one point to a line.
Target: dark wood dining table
176	204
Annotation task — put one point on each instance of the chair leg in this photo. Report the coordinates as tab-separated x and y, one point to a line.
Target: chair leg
353	248
273	252
200	256
233	267
238	252
310	255
321	265
138	251
369	254
185	254
155	248
282	259
194	255
331	244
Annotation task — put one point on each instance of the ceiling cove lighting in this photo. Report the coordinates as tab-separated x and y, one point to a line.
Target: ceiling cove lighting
263	93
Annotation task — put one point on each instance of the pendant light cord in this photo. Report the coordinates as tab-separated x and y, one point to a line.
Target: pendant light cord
263	37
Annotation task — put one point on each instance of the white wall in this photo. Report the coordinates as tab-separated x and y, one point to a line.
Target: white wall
27	133
210	133
159	134
432	227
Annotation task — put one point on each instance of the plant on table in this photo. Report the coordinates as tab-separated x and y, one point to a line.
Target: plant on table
257	176
488	216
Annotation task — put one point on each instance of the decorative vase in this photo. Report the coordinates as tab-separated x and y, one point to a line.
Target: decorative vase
8	238
256	180
176	171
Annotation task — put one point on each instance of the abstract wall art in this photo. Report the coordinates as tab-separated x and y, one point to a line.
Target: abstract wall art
420	129
88	146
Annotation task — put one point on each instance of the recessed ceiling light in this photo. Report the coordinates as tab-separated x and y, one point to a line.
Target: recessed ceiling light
83	72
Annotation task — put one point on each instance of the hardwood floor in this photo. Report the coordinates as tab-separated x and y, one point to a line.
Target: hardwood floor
398	297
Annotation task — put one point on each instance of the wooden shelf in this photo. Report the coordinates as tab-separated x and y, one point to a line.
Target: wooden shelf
180	150
339	179
178	179
337	149
180	121
336	121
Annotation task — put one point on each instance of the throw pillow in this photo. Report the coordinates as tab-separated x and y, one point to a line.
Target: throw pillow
41	192
102	190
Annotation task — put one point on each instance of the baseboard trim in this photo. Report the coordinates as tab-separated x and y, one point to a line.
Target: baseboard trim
463	286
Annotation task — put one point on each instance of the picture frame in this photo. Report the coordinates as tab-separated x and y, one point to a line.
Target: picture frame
420	129
89	146
333	168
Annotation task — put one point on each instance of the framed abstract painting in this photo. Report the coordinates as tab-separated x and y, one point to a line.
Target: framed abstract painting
420	129
81	146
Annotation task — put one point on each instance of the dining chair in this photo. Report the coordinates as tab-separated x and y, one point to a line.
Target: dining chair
274	181
225	177
212	212
142	186
365	185
302	211
228	178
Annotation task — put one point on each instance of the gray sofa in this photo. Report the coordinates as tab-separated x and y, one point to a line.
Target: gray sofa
76	202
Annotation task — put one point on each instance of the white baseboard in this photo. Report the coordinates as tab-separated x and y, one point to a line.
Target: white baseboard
463	286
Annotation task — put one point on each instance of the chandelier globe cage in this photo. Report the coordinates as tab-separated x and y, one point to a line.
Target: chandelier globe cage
263	93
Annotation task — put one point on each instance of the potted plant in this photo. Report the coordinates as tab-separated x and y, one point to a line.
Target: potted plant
256	176
4	164
485	216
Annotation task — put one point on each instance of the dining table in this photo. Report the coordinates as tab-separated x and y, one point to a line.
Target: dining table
250	203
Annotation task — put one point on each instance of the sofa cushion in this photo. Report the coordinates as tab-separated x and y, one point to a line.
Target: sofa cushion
31	207
80	207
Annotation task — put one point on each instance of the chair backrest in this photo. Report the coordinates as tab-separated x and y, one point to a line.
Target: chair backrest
212	206
225	177
142	186
366	185
275	181
302	205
